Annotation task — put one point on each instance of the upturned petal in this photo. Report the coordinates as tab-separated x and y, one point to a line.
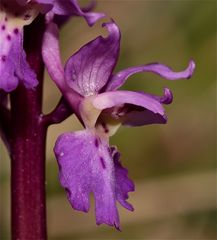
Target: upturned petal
72	8
120	78
87	165
88	70
167	97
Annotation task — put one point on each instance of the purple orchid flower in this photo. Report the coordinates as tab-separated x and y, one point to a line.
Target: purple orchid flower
86	161
14	15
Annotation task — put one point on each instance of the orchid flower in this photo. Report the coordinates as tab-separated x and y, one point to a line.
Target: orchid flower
87	163
14	15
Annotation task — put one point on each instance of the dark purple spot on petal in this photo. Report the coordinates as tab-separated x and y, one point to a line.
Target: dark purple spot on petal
8	37
6	19
3	58
3	27
102	162
16	30
96	142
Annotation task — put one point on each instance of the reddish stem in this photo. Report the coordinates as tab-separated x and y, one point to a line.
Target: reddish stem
59	114
28	210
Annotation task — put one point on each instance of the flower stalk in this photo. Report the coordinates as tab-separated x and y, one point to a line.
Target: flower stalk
28	212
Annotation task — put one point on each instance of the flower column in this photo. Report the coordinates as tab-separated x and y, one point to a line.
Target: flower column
28	147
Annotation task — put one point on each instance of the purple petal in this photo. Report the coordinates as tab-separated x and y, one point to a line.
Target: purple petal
167	97
8	82
13	64
46	5
52	60
88	70
22	69
132	108
143	117
24	2
71	7
118	98
51	2
119	78
123	183
51	54
86	165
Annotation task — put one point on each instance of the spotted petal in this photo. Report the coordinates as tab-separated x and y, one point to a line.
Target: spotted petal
13	64
88	70
86	165
120	78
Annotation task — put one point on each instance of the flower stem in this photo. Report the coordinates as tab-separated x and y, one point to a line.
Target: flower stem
28	208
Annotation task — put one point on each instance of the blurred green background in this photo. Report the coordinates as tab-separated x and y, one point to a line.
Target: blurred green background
173	165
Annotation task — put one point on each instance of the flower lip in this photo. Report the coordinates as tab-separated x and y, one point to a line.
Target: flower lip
89	167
